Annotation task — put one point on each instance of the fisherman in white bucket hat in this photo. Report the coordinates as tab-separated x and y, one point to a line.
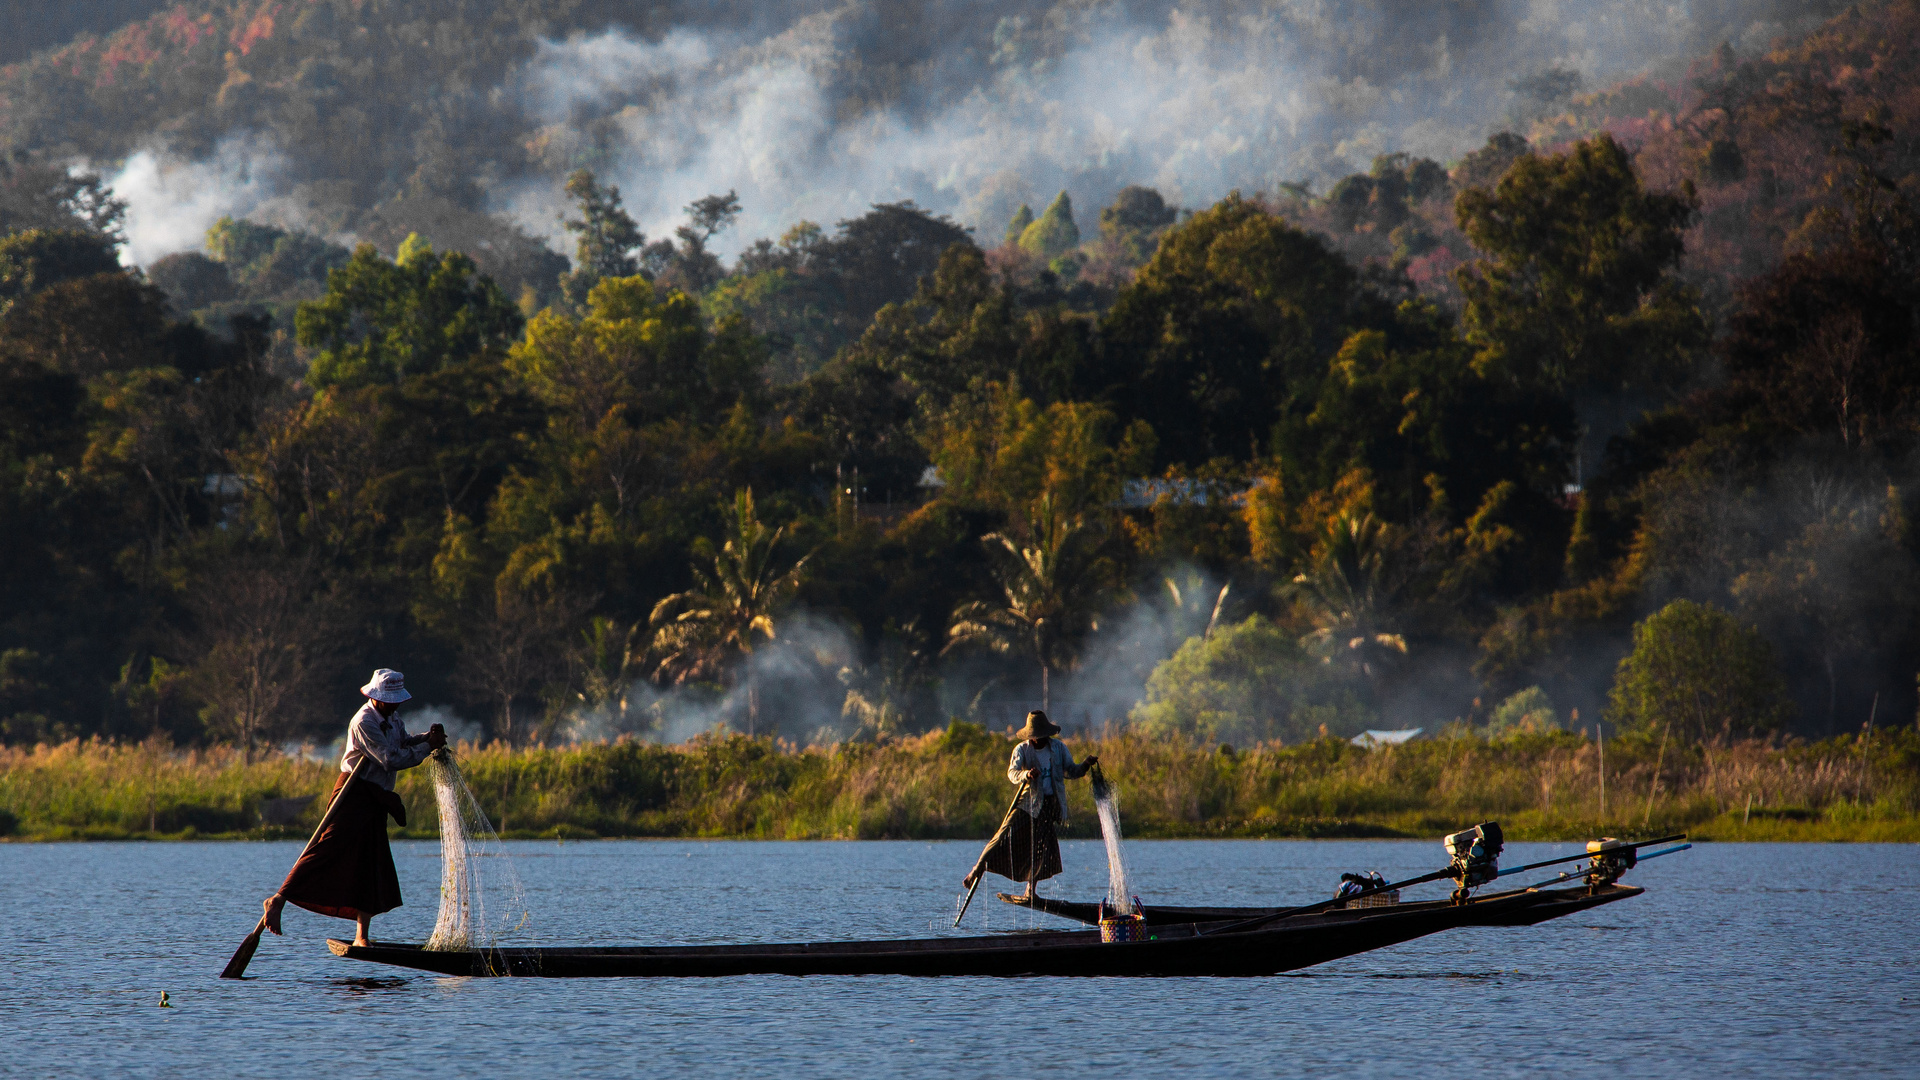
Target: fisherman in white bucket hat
348	872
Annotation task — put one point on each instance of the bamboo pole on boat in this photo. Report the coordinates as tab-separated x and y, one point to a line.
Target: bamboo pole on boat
979	865
242	956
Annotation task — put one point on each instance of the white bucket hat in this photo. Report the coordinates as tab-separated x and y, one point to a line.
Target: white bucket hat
386	685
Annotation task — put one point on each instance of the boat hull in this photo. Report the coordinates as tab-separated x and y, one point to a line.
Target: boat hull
1565	903
1188	950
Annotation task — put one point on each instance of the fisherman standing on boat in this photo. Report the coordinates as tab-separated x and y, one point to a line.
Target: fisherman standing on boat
1028	849
348	871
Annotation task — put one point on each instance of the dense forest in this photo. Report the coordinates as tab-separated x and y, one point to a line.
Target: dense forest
1612	419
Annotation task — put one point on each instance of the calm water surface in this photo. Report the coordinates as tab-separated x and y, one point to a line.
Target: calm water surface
1745	960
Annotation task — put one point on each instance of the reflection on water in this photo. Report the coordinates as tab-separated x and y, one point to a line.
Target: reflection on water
363	986
1751	960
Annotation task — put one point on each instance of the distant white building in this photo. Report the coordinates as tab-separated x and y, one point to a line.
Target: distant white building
1374	740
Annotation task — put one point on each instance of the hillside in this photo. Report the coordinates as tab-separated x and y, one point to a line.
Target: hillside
310	114
1604	422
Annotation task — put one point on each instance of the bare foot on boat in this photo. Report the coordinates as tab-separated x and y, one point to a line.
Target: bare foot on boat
274	905
362	927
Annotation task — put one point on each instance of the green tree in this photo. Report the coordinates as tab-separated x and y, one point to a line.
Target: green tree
1527	712
1053	233
1052	587
1017	227
635	347
738	591
41	258
962	329
1701	673
693	267
1245	683
240	243
1405	403
1346	592
41	194
999	449
382	321
191	280
1226	329
607	240
610	656
1132	225
1822	347
1832	593
1579	286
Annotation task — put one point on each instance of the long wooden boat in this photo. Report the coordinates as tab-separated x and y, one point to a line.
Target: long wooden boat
1169	950
1169	915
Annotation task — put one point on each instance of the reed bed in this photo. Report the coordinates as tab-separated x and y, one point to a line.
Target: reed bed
952	783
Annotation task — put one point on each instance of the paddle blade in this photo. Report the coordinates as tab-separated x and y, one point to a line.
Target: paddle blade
242	956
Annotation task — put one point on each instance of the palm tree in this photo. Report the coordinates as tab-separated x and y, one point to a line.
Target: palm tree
1050	592
1345	589
733	602
607	656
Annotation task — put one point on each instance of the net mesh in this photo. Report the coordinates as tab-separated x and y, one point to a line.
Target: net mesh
481	898
1107	804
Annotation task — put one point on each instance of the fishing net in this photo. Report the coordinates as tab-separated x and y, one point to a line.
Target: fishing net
480	896
1107	805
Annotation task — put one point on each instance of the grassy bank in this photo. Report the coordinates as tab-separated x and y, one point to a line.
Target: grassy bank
952	784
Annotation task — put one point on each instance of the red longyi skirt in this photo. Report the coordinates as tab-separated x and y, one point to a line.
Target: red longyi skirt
349	869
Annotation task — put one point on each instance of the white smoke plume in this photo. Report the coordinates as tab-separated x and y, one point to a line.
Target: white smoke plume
800	693
1118	657
171	201
1088	98
459	729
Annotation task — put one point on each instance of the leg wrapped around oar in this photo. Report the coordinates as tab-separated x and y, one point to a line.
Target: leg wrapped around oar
348	872
1027	849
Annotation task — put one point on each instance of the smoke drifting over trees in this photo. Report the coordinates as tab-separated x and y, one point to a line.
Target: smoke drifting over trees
1236	374
313	113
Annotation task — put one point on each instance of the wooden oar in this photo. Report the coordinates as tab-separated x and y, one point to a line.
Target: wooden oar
242	956
978	870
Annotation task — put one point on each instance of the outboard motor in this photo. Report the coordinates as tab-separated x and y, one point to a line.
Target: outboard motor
1476	856
1611	858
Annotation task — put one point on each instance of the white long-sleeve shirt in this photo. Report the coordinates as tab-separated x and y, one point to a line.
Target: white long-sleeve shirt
1048	768
385	745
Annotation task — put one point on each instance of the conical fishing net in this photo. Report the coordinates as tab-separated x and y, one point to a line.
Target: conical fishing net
480	895
1107	805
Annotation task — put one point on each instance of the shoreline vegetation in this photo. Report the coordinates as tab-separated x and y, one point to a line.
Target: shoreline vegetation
951	784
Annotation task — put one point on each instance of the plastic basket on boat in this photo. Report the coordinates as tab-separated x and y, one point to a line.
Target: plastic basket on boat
1118	928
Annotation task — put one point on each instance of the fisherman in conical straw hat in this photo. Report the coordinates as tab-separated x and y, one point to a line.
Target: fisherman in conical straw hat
348	871
1028	849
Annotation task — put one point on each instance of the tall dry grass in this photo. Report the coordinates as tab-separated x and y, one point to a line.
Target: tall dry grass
952	784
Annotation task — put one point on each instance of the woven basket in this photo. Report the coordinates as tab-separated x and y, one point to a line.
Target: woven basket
1123	928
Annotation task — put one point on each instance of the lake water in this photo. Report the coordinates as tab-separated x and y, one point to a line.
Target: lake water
1749	960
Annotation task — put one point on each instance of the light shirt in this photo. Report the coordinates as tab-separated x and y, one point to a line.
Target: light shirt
1048	769
383	743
